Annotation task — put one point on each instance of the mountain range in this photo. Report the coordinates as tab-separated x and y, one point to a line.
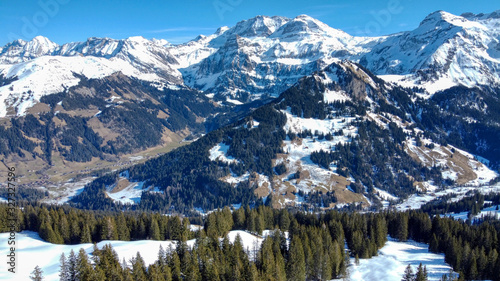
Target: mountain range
346	119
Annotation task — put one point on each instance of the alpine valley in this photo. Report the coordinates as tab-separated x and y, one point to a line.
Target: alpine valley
275	111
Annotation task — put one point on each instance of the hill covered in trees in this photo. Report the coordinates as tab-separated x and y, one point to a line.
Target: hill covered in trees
301	247
337	136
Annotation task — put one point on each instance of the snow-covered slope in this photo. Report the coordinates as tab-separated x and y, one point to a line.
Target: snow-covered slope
30	246
41	67
392	260
266	55
444	51
388	265
332	90
263	56
21	51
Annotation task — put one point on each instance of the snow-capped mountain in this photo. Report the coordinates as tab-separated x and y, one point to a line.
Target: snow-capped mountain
266	55
40	67
259	57
444	51
21	51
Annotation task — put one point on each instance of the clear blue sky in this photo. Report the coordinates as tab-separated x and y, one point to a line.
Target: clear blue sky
179	21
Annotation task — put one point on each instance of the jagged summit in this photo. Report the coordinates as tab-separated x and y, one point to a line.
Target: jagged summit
259	26
20	50
262	56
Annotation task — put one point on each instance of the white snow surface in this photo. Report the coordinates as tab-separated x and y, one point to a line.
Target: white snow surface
393	259
458	50
219	152
415	201
129	195
31	251
296	124
52	74
490	211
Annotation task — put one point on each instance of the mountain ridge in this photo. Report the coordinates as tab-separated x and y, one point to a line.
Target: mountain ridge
262	56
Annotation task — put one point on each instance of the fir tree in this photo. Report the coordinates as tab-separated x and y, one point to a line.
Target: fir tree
84	269
64	269
72	264
37	274
86	237
296	265
138	268
154	230
421	274
408	275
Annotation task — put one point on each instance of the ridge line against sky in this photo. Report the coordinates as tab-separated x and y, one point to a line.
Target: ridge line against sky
64	21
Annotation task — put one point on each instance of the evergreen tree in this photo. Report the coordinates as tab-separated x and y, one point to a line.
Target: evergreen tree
154	273
138	268
402	227
84	269
154	230
296	265
408	275
64	268
175	264
86	237
37	274
421	274
122	228
72	263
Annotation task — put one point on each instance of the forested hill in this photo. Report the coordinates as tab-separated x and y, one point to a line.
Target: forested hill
301	246
338	136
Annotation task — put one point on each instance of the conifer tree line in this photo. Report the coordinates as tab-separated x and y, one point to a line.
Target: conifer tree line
420	275
317	239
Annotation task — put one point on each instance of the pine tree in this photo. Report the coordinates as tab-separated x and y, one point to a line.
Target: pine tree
175	264
122	228
108	229
84	269
154	273
64	269
37	274
64	230
421	274
72	263
86	237
402	227
154	230
408	275
434	244
296	265
138	268
192	272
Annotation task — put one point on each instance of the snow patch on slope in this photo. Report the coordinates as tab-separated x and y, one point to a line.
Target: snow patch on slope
219	152
53	74
392	260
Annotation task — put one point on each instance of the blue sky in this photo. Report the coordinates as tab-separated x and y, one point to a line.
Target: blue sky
65	21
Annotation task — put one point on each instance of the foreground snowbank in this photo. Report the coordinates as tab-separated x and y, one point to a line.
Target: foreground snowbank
392	260
31	251
389	265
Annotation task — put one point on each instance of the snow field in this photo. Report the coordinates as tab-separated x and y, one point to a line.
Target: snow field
415	201
31	251
392	260
388	265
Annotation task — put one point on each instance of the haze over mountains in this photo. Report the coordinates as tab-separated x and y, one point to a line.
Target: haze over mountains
350	119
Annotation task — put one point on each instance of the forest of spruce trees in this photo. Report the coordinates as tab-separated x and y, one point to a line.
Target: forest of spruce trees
315	251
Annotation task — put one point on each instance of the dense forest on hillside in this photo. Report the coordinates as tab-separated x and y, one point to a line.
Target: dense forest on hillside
188	179
472	204
134	110
316	240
